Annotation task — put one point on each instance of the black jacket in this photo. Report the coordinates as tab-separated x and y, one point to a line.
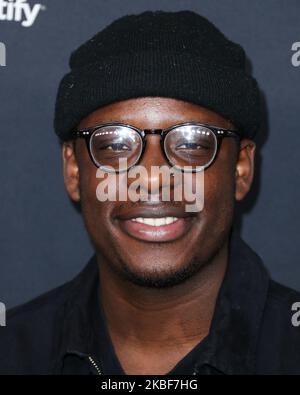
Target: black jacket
251	331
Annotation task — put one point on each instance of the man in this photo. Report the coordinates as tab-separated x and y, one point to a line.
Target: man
168	291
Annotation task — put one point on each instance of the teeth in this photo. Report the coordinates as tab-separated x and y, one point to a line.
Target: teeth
156	221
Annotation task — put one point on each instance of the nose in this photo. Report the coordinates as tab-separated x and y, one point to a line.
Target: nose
153	180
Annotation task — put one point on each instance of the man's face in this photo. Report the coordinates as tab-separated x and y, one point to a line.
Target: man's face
167	255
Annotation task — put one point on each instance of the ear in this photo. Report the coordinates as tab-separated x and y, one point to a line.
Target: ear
244	171
70	170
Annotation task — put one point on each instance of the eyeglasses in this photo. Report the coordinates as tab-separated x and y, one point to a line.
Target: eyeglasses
187	144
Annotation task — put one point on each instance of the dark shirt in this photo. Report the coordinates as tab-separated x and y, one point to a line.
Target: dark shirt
106	356
63	332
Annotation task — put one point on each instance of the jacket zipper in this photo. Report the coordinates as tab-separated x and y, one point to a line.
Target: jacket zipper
95	366
98	370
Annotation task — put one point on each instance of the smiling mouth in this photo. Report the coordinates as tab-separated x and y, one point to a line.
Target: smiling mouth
155	221
157	229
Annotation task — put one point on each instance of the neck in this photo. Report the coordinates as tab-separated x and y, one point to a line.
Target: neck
160	318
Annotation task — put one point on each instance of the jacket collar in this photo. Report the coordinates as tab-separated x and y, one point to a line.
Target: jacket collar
231	343
233	337
74	329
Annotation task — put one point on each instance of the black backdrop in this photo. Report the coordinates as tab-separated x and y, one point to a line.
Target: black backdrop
42	239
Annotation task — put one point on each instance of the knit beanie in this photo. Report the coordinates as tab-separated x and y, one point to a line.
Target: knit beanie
178	55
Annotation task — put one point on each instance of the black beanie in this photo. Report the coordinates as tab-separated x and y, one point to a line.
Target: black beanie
179	55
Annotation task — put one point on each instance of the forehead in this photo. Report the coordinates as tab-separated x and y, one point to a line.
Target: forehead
153	112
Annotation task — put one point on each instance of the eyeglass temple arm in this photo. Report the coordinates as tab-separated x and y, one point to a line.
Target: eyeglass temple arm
226	133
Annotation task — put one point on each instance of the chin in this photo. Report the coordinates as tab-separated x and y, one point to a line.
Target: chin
159	273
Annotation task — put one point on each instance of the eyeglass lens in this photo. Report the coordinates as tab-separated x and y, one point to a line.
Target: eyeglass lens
185	145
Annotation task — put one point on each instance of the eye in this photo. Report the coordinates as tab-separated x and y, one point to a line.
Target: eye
116	147
189	146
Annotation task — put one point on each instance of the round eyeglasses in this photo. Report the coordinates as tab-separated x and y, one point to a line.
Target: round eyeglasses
188	146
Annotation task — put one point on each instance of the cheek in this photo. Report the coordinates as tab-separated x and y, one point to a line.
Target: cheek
92	210
95	213
219	194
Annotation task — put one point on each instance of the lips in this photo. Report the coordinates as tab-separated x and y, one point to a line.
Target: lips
155	223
